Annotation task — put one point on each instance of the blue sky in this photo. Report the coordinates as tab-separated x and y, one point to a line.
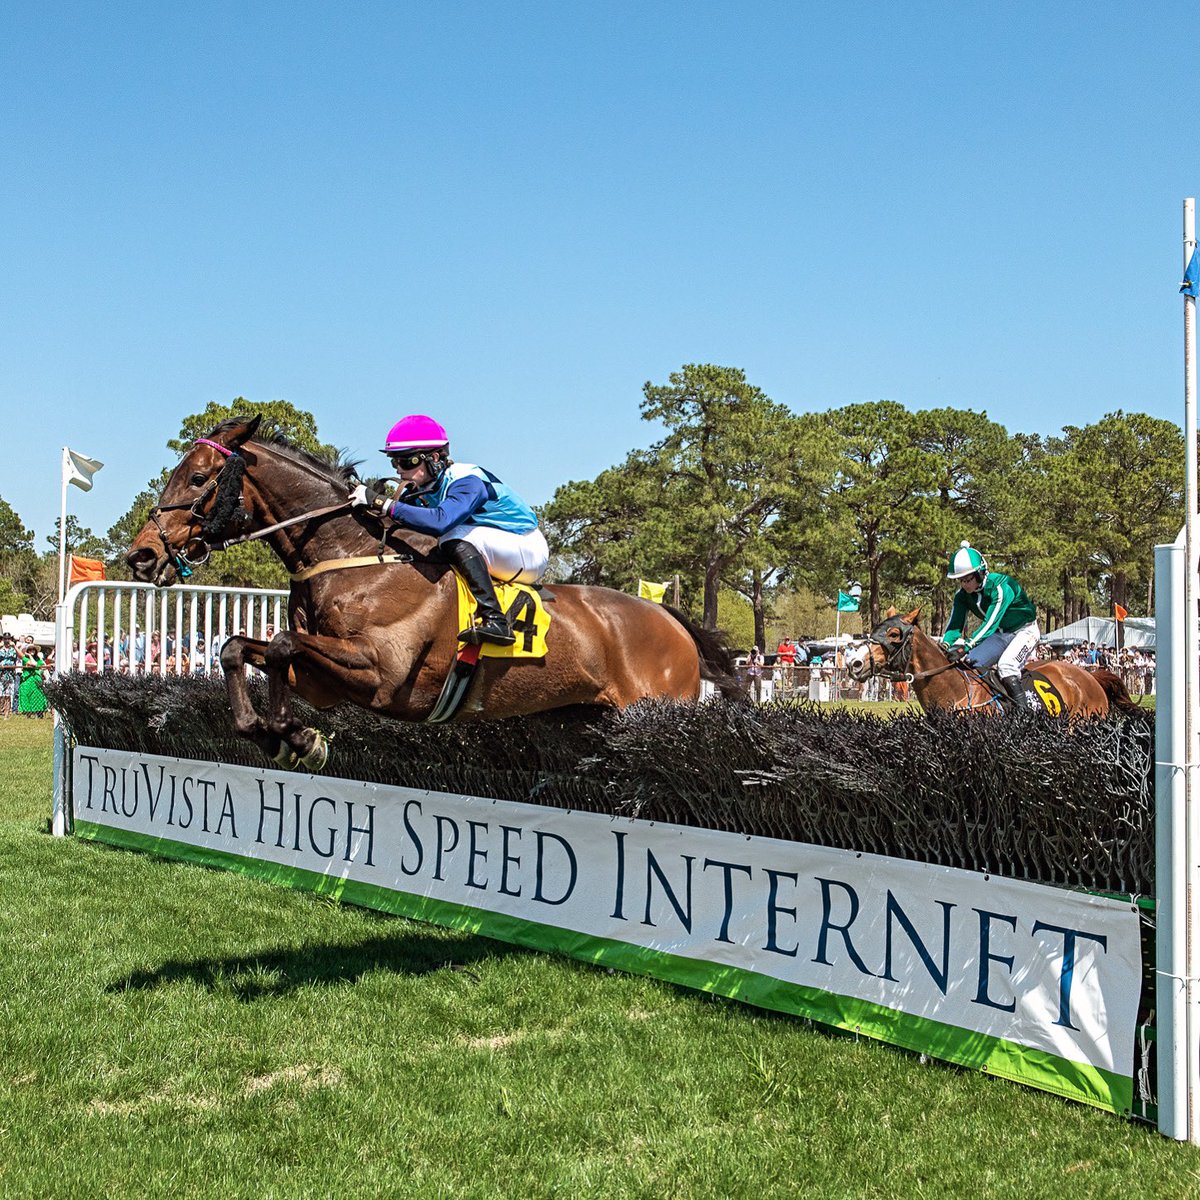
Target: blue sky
512	216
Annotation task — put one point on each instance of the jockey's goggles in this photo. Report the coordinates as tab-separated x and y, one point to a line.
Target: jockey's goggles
407	461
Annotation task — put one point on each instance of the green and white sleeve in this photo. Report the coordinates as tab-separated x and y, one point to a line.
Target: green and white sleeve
991	620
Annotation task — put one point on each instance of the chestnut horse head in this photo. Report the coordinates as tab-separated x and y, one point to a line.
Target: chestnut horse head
375	623
897	648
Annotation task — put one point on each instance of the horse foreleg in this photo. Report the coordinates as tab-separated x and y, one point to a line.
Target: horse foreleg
326	665
236	654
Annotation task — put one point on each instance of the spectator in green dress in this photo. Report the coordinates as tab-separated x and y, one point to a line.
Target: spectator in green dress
32	699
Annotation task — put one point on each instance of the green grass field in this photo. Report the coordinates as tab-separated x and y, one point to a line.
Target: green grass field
167	1030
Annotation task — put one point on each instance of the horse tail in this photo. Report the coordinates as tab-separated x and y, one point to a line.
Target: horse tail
1114	689
716	659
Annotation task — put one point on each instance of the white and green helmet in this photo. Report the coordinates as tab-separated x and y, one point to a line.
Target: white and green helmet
966	560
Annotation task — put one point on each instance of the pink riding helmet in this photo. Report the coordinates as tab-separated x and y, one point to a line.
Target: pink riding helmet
416	432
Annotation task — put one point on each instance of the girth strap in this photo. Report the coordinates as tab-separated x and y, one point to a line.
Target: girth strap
341	564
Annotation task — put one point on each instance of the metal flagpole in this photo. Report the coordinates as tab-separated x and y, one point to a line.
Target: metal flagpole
1191	671
837	641
62	531
58	810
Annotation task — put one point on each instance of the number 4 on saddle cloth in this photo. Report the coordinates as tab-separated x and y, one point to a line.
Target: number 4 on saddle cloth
528	618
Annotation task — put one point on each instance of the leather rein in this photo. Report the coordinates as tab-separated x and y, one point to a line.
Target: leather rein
227	509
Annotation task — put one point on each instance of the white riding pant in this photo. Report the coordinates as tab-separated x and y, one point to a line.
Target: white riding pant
1007	652
511	557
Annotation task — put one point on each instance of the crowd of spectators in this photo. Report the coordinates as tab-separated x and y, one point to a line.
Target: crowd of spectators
811	669
25	666
137	654
1135	665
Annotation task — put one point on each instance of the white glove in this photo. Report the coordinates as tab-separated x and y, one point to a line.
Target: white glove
365	497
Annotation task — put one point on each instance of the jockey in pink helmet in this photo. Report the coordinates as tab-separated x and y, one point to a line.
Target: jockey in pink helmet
416	432
484	527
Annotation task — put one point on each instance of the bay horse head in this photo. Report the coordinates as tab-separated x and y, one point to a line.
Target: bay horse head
201	504
888	649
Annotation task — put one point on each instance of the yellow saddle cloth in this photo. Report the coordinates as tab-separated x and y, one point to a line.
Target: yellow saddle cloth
527	615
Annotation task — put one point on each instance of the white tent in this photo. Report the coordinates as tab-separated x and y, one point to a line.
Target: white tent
1139	633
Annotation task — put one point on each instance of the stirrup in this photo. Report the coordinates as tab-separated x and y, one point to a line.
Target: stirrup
495	632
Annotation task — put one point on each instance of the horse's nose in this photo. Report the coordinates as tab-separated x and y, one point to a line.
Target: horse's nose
855	660
143	563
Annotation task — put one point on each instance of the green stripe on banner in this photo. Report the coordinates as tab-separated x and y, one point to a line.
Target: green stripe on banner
1009	1060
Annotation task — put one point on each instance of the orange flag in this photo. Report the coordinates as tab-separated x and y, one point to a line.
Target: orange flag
1119	612
86	570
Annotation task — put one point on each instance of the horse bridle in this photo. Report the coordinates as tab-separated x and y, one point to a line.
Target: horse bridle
897	656
900	651
227	510
186	557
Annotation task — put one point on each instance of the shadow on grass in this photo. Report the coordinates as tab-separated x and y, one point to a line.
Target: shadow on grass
274	973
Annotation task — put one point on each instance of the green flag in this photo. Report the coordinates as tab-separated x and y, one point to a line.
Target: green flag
847	603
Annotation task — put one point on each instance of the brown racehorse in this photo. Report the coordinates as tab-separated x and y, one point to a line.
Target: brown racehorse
384	635
899	649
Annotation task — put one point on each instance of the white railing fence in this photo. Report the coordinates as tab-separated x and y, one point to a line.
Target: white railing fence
139	629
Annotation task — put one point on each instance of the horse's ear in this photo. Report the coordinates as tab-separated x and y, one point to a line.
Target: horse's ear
914	617
240	434
891	612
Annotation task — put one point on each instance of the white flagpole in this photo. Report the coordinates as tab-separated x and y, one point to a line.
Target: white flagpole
1191	676
58	808
62	533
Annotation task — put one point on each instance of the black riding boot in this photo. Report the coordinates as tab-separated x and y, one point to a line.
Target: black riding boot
491	625
1015	690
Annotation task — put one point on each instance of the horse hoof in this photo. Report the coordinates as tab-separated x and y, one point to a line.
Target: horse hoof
318	756
285	757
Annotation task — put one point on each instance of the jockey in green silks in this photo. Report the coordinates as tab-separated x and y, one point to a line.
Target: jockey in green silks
1008	633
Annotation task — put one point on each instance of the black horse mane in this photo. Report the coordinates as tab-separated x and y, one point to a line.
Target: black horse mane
342	469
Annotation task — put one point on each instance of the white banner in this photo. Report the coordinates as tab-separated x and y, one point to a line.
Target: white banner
1017	978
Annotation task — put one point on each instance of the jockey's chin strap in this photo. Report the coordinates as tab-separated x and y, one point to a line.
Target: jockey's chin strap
226	505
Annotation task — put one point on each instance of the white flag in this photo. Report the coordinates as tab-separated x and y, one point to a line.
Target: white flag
79	469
